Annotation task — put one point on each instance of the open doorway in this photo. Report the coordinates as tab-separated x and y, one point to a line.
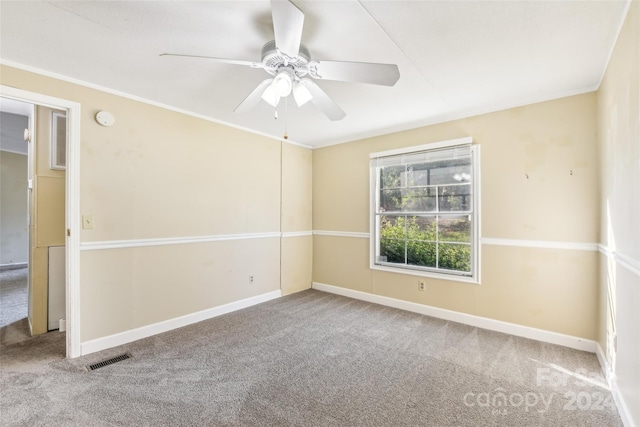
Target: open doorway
32	220
16	118
69	224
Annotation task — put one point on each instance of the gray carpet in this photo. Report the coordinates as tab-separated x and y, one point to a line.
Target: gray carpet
308	359
13	295
14	326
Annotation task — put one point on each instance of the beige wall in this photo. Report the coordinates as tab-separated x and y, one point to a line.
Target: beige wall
619	138
297	245
159	174
133	287
14	234
539	175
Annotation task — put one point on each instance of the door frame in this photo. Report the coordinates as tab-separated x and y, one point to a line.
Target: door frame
72	206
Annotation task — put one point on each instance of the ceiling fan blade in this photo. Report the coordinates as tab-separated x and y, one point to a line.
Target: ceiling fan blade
359	72
287	26
254	97
321	100
220	60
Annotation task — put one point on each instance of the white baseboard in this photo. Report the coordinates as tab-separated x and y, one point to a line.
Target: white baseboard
30	326
468	319
168	325
623	409
13	266
602	359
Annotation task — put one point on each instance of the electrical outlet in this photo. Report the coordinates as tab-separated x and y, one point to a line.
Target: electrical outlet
250	279
421	286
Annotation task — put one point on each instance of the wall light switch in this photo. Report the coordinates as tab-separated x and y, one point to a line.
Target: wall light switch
87	221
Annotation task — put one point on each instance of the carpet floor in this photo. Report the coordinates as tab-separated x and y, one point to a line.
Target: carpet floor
14	326
308	359
13	295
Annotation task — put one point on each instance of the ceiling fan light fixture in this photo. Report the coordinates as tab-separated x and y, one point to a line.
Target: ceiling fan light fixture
301	94
283	83
270	96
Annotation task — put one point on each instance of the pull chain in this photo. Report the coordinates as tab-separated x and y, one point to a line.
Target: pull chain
286	109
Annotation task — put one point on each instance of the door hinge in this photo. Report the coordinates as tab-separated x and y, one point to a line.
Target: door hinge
68	232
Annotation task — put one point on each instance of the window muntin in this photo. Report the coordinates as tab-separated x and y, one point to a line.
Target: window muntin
424	214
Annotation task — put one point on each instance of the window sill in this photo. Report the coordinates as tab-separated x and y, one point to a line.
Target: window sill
419	273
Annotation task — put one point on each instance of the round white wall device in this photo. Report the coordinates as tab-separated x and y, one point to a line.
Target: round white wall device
105	118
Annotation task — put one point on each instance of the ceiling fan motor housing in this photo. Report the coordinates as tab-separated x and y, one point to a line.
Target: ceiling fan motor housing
273	60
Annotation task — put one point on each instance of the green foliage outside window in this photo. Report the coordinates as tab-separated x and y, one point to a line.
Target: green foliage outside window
416	239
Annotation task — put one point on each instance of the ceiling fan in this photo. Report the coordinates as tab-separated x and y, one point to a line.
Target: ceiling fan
290	64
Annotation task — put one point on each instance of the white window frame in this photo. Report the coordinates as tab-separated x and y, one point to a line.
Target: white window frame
476	224
56	142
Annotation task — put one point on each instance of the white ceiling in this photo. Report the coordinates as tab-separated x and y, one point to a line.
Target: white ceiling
456	58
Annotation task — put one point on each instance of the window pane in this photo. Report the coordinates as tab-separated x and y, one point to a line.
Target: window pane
392	227
422	228
393	177
454	257
408	200
421	247
450	171
421	253
392	250
454	198
419	199
390	200
454	229
418	175
61	140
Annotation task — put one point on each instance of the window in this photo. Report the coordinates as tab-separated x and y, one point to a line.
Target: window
58	140
424	217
